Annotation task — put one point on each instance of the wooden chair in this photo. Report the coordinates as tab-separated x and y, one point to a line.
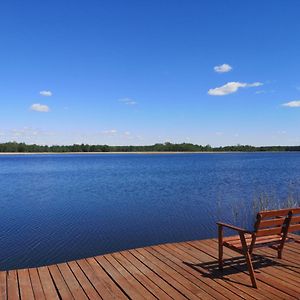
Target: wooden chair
271	229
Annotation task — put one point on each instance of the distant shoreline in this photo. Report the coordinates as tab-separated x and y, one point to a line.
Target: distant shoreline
136	152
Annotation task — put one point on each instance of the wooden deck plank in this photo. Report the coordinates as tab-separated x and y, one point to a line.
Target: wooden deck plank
3	285
225	285
180	272
36	284
128	276
160	282
60	283
26	290
214	288
12	285
84	282
144	280
74	287
185	287
108	288
186	270
47	284
120	280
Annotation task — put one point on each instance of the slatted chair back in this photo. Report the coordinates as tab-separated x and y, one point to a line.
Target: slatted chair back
272	222
295	220
273	225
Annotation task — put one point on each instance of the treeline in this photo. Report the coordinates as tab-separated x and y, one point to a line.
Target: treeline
166	147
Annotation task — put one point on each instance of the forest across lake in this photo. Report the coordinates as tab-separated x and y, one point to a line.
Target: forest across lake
13	147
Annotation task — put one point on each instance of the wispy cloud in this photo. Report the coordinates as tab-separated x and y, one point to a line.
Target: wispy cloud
109	132
128	101
40	107
231	87
260	92
295	103
264	92
46	93
223	68
127	133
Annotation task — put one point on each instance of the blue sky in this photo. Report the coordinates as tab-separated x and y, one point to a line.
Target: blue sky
140	72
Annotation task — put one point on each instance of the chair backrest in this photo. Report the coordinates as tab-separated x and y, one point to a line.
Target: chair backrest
273	222
295	220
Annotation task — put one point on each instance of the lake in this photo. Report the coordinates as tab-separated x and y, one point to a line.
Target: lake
62	207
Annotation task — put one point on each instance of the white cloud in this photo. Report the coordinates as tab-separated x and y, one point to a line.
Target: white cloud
231	87
223	68
128	101
109	132
46	93
295	103
281	132
40	107
27	134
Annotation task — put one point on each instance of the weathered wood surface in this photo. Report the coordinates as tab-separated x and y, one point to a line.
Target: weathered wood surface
187	270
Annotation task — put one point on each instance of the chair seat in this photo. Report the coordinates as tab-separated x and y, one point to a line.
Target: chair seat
235	242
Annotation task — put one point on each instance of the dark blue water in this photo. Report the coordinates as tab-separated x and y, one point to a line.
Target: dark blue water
55	208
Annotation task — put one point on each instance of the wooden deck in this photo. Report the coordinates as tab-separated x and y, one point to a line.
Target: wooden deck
187	270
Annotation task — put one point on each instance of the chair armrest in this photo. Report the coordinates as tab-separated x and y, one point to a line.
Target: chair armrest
239	229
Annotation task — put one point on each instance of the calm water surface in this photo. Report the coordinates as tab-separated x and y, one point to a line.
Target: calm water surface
55	208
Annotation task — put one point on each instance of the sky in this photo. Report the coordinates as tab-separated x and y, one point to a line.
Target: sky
139	72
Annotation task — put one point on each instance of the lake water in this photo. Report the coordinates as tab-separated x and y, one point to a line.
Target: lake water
55	208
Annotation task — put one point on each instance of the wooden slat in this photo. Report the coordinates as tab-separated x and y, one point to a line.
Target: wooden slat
209	286
182	277
135	283
3	285
271	222
60	283
271	231
106	287
144	280
293	228
162	284
126	286
36	284
74	287
12	285
84	282
187	288
274	213
47	283
295	219
232	290
26	290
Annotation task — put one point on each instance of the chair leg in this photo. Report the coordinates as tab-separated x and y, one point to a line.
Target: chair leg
279	253
220	239
250	269
248	259
220	256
